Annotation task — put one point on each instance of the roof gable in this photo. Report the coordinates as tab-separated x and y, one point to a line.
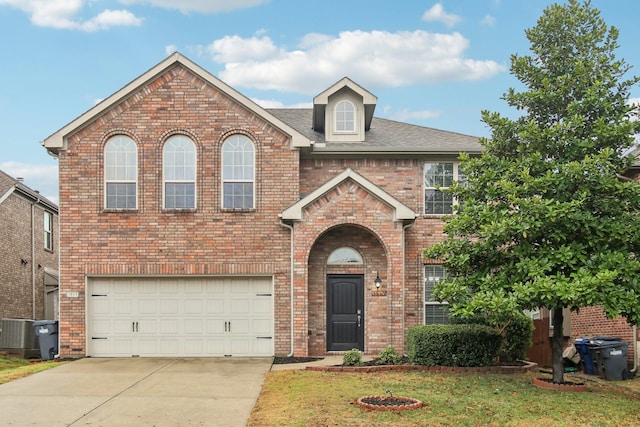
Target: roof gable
321	101
58	140
401	211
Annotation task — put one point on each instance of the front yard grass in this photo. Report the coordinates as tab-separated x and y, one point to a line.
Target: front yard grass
308	398
13	368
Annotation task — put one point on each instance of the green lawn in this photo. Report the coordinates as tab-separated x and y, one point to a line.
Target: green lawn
306	398
14	368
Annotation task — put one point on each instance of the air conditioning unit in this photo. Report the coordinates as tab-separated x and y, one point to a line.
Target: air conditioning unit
17	333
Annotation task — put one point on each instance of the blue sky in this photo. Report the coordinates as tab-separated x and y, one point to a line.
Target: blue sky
431	63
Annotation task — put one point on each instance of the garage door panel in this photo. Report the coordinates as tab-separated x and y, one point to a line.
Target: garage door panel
180	317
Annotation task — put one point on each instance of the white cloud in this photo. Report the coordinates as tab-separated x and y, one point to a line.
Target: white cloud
237	49
63	14
272	103
169	49
373	59
202	6
437	13
488	21
38	177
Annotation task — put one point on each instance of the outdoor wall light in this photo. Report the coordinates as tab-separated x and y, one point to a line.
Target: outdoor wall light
377	281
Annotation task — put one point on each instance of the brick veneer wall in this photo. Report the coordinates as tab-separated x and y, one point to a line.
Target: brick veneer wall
403	179
15	245
591	321
153	242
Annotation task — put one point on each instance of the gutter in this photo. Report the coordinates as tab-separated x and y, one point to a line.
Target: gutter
635	350
291	284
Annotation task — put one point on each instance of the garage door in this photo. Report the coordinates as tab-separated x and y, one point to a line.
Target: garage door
180	317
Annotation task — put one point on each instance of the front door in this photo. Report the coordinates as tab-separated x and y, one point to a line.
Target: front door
345	312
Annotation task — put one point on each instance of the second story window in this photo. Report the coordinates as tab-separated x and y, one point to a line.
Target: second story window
345	117
48	230
437	177
120	173
238	173
179	173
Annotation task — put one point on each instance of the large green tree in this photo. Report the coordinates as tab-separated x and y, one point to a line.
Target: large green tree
546	218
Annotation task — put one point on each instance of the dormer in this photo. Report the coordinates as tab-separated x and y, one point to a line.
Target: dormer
344	112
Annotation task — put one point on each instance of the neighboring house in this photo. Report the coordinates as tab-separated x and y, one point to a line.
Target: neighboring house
29	252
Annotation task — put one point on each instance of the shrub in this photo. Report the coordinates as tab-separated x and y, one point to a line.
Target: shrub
352	357
453	345
517	334
389	356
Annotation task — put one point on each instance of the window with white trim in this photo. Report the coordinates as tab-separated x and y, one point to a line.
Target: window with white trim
435	312
179	173
437	177
48	231
345	117
120	173
238	173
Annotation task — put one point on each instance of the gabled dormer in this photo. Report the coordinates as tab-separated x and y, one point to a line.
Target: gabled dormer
344	112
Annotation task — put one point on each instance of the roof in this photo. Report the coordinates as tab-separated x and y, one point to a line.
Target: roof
58	140
401	211
9	185
385	137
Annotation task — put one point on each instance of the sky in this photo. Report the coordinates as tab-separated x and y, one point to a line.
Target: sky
431	63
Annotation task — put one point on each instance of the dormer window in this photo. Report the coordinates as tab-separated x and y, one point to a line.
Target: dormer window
345	117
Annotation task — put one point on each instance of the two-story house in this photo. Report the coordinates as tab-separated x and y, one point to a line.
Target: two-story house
29	252
196	223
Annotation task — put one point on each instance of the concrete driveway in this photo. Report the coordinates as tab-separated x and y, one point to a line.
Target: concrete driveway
136	392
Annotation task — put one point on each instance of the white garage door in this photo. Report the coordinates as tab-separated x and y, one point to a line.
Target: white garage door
180	317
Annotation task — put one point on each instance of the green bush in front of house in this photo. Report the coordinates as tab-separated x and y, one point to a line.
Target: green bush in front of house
389	356
352	357
517	334
453	345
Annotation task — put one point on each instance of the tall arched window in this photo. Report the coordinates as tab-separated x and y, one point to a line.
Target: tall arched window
345	117
179	173
120	173
238	173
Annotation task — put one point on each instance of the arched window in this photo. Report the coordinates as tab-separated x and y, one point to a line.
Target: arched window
238	173
345	117
344	255
179	173
120	173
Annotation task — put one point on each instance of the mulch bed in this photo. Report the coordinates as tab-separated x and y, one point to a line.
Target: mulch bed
287	360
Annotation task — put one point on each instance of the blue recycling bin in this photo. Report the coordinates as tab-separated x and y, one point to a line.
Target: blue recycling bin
586	361
47	333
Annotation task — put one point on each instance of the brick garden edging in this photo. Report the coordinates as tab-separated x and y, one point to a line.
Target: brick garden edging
453	369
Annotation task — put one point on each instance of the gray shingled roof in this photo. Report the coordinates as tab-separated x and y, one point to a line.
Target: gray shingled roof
385	136
7	183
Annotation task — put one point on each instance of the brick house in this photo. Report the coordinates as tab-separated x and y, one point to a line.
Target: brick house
29	252
196	223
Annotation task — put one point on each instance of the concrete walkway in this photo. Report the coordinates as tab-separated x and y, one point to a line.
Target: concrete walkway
136	392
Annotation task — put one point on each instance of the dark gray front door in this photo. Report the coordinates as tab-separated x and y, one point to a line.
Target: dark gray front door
345	312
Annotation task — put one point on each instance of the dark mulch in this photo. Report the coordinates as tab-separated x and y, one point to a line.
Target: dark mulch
286	360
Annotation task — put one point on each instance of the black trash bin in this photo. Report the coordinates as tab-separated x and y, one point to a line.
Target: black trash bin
47	333
610	359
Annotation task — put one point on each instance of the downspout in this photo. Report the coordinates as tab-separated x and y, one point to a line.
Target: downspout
404	266
33	261
635	350
291	284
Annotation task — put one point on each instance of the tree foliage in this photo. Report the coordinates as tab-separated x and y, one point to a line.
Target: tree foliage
546	219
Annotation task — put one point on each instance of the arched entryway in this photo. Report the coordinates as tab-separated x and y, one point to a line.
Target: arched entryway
343	312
